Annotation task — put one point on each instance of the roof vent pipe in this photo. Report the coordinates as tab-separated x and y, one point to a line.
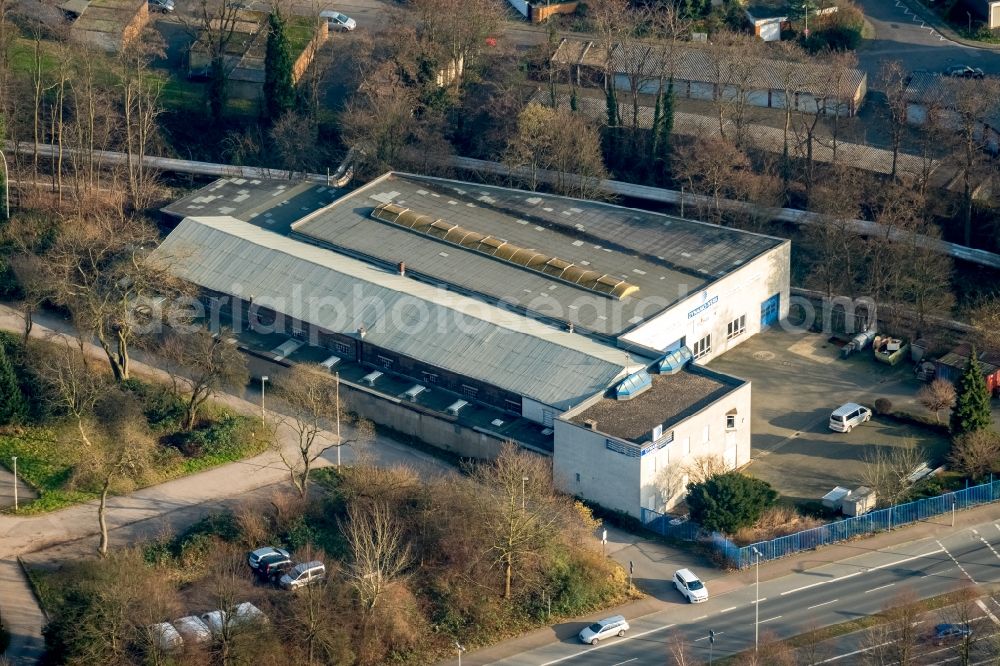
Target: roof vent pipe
361	332
402	268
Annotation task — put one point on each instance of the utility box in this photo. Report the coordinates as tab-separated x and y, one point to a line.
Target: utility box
858	502
833	498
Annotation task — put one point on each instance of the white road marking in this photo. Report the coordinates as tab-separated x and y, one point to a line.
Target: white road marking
601	647
705	638
858	573
957	564
699	619
726	610
851	654
993	618
880	587
990	546
770	619
825	603
627	661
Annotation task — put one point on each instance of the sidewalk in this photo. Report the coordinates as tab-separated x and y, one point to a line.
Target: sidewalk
661	561
931	18
147	511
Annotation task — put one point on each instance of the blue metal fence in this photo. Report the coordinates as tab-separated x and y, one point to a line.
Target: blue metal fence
848	528
660	523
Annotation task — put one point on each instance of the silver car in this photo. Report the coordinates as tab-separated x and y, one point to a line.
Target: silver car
303	574
606	628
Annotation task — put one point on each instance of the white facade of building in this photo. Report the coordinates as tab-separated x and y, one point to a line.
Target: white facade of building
725	313
627	476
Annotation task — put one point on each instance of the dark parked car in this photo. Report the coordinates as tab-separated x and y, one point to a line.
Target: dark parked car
265	555
951	632
965	72
272	570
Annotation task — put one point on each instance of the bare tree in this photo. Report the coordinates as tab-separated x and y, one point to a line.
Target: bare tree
215	24
938	395
965	613
313	401
71	386
678	652
519	508
121	454
309	619
975	454
835	252
894	79
456	30
559	141
985	320
140	104
30	271
100	271
379	551
970	104
895	639
887	468
201	364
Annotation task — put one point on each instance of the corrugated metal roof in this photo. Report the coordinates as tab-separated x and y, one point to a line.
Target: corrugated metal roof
694	62
667	258
763	137
435	326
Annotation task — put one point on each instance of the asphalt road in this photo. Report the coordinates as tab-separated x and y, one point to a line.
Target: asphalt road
795	603
900	35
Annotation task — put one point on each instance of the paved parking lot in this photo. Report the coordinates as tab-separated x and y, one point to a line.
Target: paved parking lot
798	379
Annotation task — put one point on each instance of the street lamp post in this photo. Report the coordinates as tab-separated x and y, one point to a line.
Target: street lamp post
524	480
6	186
263	378
14	458
460	649
336	381
756	603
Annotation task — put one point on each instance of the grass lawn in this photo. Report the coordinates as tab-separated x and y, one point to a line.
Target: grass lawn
47	456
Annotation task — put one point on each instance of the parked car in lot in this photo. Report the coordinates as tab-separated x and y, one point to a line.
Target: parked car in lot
243	614
690	586
166	637
965	72
951	632
846	417
164	6
606	628
273	570
193	630
305	573
337	21
265	555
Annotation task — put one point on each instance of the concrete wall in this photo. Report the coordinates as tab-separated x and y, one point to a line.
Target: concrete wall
583	464
540	13
663	475
739	293
439	430
535	411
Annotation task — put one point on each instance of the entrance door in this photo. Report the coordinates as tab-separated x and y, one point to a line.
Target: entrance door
769	310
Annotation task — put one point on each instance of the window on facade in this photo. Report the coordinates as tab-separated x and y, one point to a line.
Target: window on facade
687	446
704	436
342	348
736	327
469	391
385	361
730	421
430	378
512	406
703	346
578	477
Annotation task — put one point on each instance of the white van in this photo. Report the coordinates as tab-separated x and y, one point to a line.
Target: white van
845	417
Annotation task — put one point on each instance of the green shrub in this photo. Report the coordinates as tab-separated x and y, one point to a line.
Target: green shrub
164	411
299	533
726	502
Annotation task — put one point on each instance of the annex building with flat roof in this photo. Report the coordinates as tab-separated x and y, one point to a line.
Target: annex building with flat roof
586	319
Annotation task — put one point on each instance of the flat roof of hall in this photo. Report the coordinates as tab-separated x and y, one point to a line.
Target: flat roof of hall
667	258
671	399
